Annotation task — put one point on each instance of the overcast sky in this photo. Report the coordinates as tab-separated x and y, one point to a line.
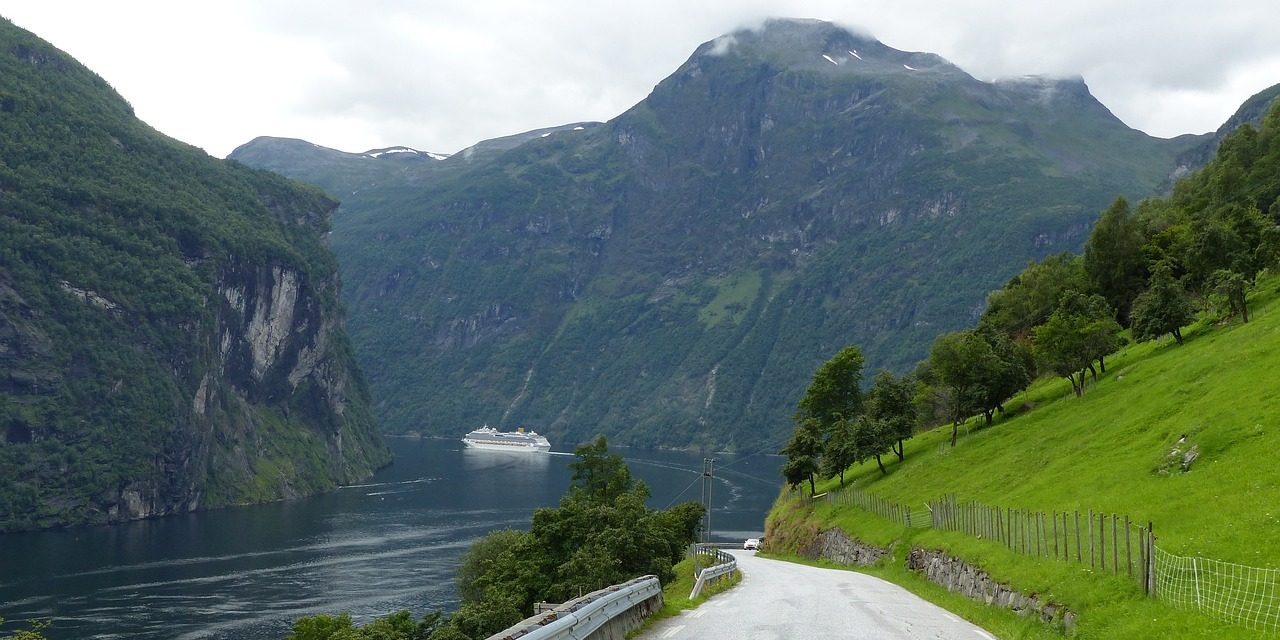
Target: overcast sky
439	75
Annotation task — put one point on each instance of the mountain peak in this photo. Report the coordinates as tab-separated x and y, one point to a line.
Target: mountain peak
818	44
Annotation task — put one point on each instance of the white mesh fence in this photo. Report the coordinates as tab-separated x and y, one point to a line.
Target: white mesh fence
1248	596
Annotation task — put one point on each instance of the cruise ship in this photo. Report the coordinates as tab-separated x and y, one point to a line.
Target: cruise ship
487	437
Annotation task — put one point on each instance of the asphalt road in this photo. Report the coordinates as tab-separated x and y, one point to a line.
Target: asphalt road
791	601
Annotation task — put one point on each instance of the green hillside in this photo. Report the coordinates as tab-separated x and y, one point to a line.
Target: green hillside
1179	435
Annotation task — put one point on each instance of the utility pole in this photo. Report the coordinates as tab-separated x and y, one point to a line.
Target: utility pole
708	475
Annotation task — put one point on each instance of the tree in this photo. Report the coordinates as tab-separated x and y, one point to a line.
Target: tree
871	439
1113	257
1014	371
481	557
962	361
1162	308
397	626
1080	331
892	401
803	454
1228	288
836	390
1101	332
840	450
1030	297
598	474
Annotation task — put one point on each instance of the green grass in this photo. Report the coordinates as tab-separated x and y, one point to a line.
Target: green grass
734	296
675	594
1107	451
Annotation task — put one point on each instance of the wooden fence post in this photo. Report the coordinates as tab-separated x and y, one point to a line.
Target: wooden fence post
1151	557
1091	553
1055	535
1115	547
1142	558
1079	558
1102	541
1128	548
1036	520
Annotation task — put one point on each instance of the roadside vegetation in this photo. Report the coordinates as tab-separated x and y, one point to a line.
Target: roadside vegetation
601	534
1153	397
675	594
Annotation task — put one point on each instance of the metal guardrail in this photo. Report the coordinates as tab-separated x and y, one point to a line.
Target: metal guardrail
580	617
725	564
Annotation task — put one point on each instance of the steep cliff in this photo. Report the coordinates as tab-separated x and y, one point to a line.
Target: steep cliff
170	333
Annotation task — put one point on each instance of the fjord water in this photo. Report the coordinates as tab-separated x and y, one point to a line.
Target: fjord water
390	543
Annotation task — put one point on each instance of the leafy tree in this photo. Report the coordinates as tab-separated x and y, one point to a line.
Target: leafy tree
804	454
1061	346
1080	331
1014	372
397	626
1229	289
598	474
841	450
1030	297
1101	331
872	439
320	627
480	558
836	390
963	362
892	402
477	620
1113	257
1162	308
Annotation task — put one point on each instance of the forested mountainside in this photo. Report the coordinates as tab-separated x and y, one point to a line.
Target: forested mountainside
170	331
673	276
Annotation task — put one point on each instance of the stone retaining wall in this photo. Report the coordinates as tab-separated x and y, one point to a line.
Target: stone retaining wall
961	577
836	545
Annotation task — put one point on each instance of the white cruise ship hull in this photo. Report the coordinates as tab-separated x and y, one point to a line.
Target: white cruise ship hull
514	448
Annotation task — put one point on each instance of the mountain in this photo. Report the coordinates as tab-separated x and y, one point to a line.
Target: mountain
1251	113
170	332
673	277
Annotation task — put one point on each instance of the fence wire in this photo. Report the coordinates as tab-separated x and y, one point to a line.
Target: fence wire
1247	596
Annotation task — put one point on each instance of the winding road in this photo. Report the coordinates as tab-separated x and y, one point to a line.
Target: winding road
790	601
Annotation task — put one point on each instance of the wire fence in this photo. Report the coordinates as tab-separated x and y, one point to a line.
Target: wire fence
887	509
1247	596
1113	543
1107	542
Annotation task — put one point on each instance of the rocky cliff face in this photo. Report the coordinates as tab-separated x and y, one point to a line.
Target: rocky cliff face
170	336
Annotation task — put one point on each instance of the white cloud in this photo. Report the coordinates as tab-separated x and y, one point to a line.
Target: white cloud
363	74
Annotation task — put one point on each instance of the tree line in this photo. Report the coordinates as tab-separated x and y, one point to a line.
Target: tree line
1145	272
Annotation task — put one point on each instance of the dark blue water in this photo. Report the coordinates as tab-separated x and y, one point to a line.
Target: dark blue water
391	543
